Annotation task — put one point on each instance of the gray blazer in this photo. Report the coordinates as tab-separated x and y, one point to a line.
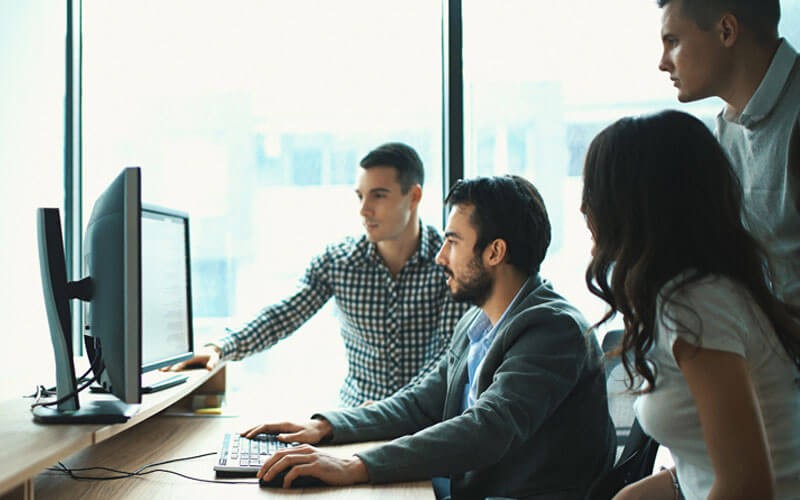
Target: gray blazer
539	429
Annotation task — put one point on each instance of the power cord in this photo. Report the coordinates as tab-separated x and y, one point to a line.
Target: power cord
141	471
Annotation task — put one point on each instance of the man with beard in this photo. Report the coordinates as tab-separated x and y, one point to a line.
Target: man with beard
517	408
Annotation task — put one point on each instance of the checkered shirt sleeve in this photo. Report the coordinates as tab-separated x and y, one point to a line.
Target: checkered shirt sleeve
395	329
279	320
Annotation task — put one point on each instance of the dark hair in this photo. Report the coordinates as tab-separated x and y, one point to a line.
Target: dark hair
402	158
509	208
663	201
760	16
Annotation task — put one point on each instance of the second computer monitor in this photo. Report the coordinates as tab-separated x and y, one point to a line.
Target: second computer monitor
167	333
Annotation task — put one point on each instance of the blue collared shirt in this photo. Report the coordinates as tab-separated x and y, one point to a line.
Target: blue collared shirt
481	335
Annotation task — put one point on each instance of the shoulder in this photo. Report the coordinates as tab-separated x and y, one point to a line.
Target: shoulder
347	249
712	291
430	242
546	316
712	312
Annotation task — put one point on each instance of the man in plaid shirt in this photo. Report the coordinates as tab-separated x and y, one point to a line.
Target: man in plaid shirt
397	313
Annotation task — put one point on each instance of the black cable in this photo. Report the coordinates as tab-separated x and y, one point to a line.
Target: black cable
141	471
83	382
42	391
62	399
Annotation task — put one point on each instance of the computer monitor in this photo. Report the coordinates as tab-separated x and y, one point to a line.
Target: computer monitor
112	295
167	333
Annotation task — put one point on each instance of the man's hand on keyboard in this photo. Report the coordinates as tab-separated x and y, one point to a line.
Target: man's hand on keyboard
208	357
312	431
305	460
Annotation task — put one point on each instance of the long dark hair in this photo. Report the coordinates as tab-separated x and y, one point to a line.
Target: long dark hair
664	204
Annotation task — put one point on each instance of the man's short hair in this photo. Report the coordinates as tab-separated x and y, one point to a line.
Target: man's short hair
760	16
403	158
510	208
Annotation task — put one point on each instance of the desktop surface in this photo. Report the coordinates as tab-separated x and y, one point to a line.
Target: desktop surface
167	437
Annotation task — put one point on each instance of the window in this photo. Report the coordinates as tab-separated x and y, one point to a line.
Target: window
31	159
253	118
541	79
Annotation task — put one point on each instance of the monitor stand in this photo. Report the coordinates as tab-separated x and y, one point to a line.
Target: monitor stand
90	412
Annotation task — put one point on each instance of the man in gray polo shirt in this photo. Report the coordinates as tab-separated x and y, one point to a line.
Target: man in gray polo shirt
731	49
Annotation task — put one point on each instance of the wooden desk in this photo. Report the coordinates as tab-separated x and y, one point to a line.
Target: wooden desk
165	437
28	447
150	436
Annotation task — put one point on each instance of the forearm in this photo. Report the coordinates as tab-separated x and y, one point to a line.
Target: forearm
658	486
272	324
406	412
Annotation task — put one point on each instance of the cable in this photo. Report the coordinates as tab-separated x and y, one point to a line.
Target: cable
72	394
141	471
83	382
42	391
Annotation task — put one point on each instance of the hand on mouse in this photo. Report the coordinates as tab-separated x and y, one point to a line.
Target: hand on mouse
305	460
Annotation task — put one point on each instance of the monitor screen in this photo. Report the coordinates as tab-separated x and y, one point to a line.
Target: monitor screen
166	288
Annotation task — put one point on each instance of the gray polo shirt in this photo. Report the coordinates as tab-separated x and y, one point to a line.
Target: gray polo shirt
757	141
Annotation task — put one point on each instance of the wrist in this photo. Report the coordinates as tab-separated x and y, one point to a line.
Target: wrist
214	348
357	470
323	426
673	479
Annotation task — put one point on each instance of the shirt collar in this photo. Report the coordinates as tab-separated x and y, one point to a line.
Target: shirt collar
482	327
424	250
769	90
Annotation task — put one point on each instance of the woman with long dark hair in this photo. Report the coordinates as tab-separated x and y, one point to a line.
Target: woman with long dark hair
712	353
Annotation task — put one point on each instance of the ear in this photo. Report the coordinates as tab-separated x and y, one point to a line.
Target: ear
415	192
728	29
495	252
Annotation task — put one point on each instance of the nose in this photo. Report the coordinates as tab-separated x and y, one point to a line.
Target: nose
440	258
364	209
664	64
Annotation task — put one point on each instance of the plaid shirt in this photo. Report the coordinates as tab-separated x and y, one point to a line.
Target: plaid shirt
395	330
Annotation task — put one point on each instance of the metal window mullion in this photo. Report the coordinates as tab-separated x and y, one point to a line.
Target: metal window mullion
452	96
72	161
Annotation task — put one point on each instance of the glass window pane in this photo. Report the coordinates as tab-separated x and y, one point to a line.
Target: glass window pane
31	161
253	118
541	79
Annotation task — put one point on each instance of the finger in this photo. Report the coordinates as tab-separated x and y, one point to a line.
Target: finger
245	433
303	469
176	367
271	429
302	436
278	461
267	465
